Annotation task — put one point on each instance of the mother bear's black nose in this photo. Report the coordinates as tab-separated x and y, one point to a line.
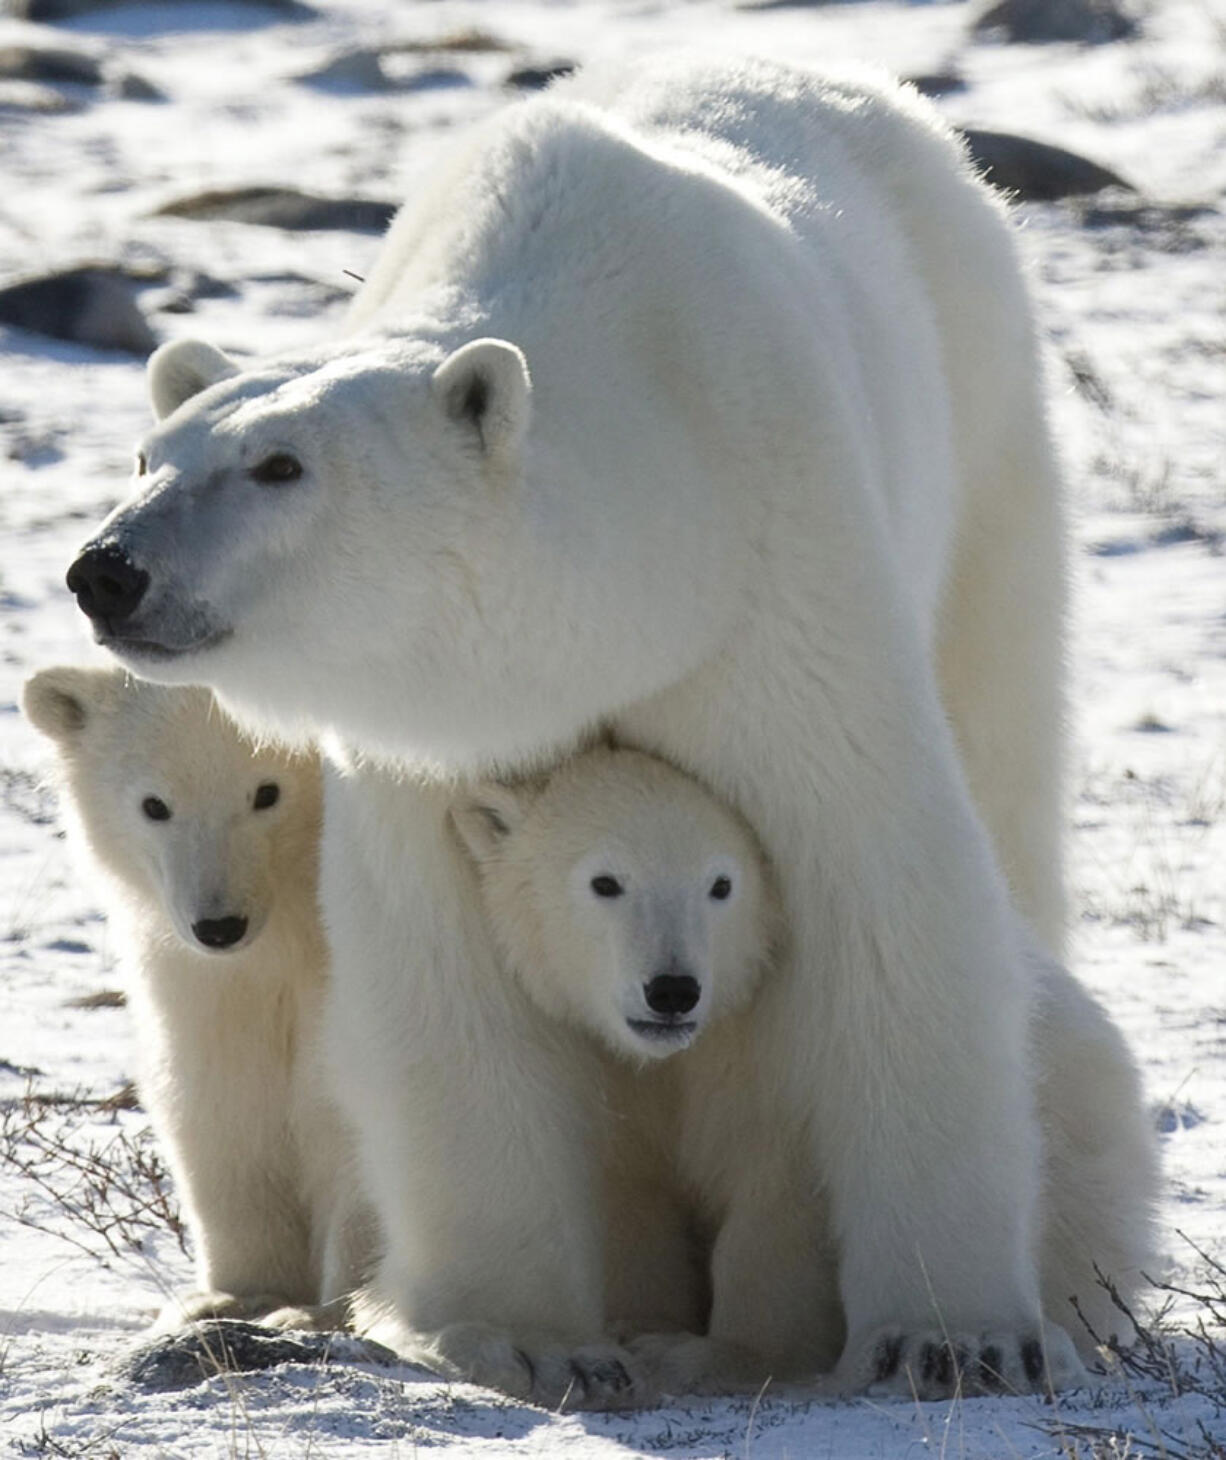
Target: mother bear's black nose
107	583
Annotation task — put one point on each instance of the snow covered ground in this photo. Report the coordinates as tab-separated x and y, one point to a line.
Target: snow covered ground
1132	295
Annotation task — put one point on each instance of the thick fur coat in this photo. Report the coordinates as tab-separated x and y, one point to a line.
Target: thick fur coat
210	849
700	403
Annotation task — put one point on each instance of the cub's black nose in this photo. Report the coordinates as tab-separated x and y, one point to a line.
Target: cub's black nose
219	932
107	583
672	993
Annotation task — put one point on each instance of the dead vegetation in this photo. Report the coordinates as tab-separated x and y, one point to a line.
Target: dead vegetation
91	1174
1174	1362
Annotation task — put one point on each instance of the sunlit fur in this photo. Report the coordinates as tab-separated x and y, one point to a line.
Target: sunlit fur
587	959
753	468
584	959
227	1039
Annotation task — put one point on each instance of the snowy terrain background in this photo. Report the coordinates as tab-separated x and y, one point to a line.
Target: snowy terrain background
151	103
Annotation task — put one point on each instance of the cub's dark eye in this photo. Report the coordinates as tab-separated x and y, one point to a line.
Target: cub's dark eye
142	466
277	469
266	795
606	886
155	809
721	888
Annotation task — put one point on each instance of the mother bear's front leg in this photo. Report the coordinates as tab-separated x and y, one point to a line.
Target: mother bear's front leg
472	1117
902	1006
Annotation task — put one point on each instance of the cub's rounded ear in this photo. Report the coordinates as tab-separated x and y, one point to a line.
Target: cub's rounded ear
182	369
487	815
485	384
60	702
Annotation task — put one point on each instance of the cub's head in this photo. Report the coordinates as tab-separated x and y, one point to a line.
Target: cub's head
624	896
203	832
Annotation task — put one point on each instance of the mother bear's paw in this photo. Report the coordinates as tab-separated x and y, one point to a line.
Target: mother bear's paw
535	1368
936	1363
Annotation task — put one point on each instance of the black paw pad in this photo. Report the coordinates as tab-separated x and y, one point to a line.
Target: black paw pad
991	1376
937	1366
610	1374
886	1357
1032	1359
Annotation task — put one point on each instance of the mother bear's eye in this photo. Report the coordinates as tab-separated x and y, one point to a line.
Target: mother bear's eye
155	808
721	888
267	794
606	886
277	469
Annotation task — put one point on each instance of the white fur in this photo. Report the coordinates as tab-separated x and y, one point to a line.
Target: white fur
227	1039
689	897
690	1143
772	496
589	961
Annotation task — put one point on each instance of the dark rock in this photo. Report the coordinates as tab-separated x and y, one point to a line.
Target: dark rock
938	83
283	208
130	87
369	69
356	70
26	1072
52	10
93	305
1037	171
535	78
101	999
1034	22
1129	211
21	62
198	285
229	1346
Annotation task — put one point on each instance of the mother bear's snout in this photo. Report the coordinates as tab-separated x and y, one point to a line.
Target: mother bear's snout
107	584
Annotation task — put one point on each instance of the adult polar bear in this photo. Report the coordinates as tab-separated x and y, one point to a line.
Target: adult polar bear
700	404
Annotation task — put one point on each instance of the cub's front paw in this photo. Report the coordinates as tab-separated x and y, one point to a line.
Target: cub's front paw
930	1363
540	1370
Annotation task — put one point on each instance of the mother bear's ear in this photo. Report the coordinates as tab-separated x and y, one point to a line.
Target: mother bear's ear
182	369
486	385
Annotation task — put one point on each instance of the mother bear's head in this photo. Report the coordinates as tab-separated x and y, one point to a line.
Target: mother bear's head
409	542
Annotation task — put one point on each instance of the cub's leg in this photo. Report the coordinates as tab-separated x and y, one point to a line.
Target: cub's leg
474	1117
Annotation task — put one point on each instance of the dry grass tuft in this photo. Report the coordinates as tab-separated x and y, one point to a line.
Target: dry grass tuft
92	1179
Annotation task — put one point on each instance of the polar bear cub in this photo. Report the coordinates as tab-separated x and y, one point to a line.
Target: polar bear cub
633	906
631	902
211	847
624	896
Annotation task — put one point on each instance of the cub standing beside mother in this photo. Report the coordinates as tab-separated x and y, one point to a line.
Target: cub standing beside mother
698	403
